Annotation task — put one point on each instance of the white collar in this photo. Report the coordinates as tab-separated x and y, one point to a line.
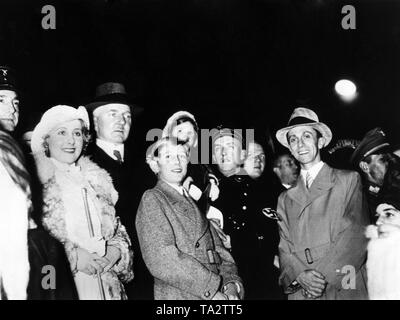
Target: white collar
313	171
287	186
109	148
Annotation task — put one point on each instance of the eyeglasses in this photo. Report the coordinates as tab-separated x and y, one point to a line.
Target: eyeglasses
271	213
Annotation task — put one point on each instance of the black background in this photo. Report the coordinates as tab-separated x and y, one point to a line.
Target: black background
244	63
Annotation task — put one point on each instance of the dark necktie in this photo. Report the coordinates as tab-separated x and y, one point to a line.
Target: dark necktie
117	154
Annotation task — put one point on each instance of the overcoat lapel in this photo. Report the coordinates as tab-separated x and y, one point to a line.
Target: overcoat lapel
178	202
183	206
321	185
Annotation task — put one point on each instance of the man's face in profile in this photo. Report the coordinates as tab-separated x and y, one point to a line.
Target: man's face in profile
9	110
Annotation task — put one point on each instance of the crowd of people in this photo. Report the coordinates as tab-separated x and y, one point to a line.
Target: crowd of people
227	227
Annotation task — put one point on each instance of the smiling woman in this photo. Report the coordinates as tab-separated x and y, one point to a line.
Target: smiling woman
79	200
65	143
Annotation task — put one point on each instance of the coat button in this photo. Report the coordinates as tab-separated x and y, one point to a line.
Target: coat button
207	294
244	207
197	244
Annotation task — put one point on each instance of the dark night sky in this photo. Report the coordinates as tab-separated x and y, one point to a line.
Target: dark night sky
246	62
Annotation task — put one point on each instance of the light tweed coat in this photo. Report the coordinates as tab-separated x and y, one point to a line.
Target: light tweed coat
175	237
329	219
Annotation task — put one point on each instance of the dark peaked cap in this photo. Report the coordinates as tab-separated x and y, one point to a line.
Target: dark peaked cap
7	79
374	142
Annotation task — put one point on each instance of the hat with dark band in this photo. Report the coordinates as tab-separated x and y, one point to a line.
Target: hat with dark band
112	92
304	117
374	142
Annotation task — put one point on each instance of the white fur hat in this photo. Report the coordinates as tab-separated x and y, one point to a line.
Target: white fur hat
53	117
171	123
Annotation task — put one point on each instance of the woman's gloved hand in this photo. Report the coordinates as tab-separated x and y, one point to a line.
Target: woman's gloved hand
112	256
214	190
88	262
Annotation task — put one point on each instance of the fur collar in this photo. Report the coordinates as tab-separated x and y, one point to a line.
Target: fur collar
91	172
54	211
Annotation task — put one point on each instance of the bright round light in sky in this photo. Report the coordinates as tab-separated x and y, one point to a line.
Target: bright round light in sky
345	88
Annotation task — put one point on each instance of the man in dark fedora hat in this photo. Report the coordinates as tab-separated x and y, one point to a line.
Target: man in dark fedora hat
9	102
112	112
322	244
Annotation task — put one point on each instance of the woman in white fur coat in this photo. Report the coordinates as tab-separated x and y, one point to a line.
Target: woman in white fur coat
79	200
383	264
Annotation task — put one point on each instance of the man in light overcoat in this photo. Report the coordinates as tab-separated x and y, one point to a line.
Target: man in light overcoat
322	244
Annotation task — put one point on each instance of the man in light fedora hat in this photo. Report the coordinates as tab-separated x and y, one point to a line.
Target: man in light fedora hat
112	113
322	244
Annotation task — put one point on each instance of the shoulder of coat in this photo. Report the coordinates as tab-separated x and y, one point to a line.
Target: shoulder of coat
345	174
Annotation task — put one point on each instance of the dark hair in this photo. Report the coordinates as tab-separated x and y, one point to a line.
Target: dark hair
184	119
278	158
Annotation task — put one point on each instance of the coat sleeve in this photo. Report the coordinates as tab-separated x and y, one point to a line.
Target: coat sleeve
349	245
162	257
123	268
228	269
291	266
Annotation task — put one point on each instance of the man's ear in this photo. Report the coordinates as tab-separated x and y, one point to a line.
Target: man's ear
154	166
364	166
243	155
321	142
277	172
95	124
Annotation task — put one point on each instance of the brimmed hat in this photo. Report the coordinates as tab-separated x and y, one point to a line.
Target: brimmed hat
112	92
7	79
53	117
304	117
374	142
172	121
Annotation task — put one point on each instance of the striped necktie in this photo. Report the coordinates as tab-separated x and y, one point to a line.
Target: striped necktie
117	154
185	193
309	180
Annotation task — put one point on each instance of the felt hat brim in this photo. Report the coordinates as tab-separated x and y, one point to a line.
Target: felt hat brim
114	98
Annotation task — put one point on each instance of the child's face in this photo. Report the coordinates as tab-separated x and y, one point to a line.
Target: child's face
387	214
172	163
185	132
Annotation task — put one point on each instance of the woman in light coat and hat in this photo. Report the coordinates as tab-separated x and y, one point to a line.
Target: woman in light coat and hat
79	200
